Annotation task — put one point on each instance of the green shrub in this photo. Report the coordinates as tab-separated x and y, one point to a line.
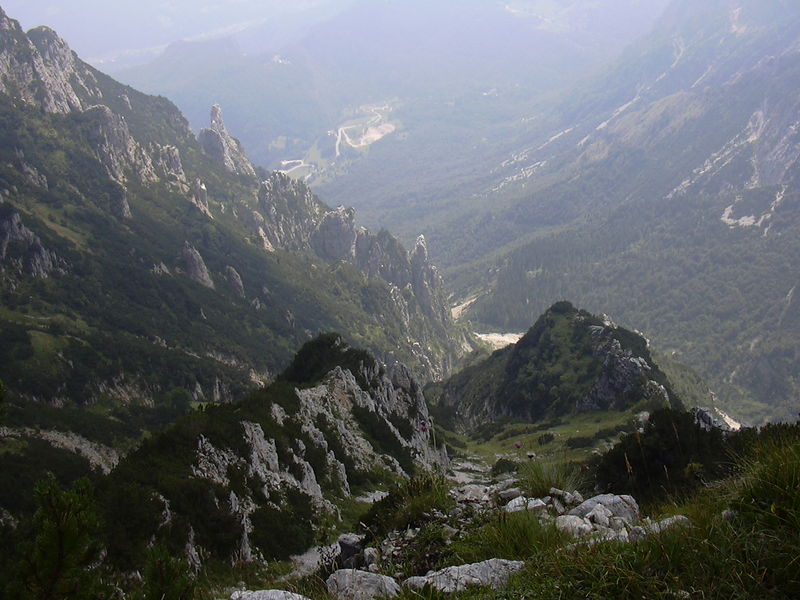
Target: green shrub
425	551
165	577
672	456
579	441
58	548
504	465
290	529
545	439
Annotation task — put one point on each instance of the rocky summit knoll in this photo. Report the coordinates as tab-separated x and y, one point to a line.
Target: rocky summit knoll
136	260
260	479
569	362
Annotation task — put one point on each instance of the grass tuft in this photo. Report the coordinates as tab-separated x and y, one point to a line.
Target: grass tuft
537	477
408	504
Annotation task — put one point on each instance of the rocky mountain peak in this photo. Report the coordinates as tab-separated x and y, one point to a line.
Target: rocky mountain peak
222	147
51	46
420	253
40	69
217	123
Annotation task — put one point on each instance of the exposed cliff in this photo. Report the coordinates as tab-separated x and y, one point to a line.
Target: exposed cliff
290	216
570	361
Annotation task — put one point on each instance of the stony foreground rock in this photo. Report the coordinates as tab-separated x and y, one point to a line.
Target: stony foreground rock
493	573
266	595
351	584
624	507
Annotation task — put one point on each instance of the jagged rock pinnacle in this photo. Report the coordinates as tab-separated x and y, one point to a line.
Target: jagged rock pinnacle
223	148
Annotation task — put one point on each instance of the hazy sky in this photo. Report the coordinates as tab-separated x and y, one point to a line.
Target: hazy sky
102	30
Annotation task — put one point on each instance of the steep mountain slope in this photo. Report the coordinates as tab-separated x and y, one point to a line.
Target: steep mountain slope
569	362
261	477
666	194
133	262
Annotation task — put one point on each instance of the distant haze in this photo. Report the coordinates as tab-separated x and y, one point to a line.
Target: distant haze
125	32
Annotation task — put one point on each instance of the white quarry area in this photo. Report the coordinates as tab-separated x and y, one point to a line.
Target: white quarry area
499	340
753	220
368	125
372	126
459	309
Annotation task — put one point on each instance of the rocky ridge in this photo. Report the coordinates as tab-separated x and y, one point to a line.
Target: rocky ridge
290	216
40	69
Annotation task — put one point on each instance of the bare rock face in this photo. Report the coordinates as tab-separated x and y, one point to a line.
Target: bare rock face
288	213
22	253
334	237
622	374
169	167
290	217
195	266
223	148
115	147
199	197
349	423
37	68
394	399
40	69
234	281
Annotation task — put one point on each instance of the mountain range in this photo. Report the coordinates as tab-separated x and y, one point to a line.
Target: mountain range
205	368
648	176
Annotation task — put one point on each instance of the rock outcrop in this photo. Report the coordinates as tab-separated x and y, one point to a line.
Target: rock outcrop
303	441
115	147
223	148
569	362
492	573
195	266
21	251
605	517
352	584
